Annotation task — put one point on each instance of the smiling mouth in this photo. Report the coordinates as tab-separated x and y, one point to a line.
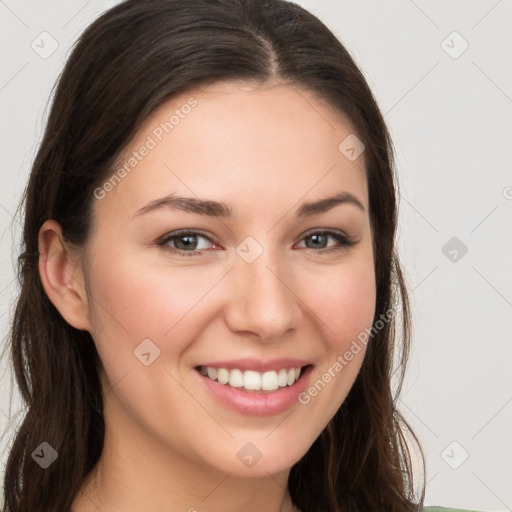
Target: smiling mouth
252	381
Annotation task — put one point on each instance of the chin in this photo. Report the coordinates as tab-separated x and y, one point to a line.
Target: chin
257	458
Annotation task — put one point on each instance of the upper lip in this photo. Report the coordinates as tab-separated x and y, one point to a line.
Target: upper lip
257	364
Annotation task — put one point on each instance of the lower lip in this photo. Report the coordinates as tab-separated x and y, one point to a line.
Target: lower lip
257	404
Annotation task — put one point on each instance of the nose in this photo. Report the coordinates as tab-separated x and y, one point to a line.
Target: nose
263	301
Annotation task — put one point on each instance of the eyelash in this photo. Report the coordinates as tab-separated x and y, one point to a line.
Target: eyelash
343	240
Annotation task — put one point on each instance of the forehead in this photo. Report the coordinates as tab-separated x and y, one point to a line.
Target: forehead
238	143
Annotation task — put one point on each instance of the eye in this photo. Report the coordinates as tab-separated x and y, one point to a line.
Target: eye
185	243
320	238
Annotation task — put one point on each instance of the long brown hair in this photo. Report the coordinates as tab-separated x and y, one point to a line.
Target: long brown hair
126	63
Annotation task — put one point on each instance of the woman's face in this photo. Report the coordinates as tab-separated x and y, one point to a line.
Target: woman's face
268	291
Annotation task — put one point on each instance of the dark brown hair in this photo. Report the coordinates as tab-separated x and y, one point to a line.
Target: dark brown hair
130	60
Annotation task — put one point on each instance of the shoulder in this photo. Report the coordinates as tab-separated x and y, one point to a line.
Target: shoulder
444	509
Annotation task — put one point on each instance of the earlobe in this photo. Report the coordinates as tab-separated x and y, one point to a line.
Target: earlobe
62	276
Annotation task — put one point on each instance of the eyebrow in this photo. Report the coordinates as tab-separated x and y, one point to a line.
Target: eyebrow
219	209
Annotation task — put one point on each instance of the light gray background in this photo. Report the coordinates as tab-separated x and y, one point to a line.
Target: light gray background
451	122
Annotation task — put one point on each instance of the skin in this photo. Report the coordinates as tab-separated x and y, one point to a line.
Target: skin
264	150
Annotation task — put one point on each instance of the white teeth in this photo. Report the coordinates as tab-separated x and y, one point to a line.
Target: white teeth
282	378
222	375
236	379
252	380
269	381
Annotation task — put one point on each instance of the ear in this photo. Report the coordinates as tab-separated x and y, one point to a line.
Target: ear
62	276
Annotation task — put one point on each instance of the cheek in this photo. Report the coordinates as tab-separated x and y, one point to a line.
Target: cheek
343	302
133	301
344	306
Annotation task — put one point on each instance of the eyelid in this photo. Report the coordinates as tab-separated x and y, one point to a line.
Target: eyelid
329	231
337	234
344	240
175	234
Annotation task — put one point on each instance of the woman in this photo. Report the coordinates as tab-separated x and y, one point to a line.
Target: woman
209	285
